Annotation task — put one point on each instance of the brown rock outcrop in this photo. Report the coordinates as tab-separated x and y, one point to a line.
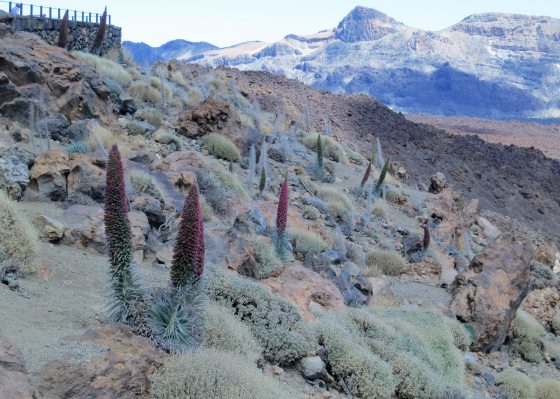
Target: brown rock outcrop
210	116
48	175
302	286
13	374
31	71
120	370
490	291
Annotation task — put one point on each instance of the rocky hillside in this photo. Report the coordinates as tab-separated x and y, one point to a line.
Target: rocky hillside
487	65
517	182
190	232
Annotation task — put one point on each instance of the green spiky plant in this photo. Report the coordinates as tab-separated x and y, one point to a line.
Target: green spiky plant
319	152
176	318
126	290
63	32
262	182
381	179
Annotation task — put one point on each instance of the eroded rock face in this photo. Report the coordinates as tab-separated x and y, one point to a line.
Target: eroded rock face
490	291
14	175
85	177
48	175
13	374
347	276
33	72
119	371
543	304
210	116
302	286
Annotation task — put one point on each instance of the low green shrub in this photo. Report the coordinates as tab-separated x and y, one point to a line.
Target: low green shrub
142	92
106	68
379	211
307	241
417	347
166	137
547	388
211	373
365	374
79	147
275	322
228	180
153	116
142	182
19	242
525	337
268	261
134	128
556	323
338	203
515	384
332	149
389	263
226	332
221	147
311	213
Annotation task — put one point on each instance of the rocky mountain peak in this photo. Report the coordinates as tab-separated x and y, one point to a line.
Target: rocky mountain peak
365	24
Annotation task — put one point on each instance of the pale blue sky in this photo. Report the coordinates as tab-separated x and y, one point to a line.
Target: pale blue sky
227	22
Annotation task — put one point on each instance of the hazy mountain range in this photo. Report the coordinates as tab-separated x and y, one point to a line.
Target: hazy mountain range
488	65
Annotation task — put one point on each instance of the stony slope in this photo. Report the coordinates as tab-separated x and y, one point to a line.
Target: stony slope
487	65
518	182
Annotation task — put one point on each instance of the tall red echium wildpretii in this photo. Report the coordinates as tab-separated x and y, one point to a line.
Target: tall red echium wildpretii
188	257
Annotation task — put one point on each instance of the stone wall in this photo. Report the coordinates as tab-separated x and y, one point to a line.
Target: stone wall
81	34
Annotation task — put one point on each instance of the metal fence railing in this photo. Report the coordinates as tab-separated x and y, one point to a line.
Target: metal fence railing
32	10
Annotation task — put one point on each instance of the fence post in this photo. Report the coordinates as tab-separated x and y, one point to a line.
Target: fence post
89	20
59	13
10	7
30	10
41	11
96	18
83	15
50	12
109	20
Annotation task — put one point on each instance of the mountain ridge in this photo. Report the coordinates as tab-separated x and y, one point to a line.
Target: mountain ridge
489	65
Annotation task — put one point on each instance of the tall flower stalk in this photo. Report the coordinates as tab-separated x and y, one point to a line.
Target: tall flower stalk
282	242
124	282
177	318
188	257
365	177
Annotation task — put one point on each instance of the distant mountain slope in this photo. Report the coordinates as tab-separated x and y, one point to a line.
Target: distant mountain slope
518	182
146	55
488	65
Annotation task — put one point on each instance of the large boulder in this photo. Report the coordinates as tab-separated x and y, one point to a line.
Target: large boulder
488	294
86	177
355	287
118	367
14	383
14	175
56	126
85	228
209	116
437	183
48	175
451	216
302	287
